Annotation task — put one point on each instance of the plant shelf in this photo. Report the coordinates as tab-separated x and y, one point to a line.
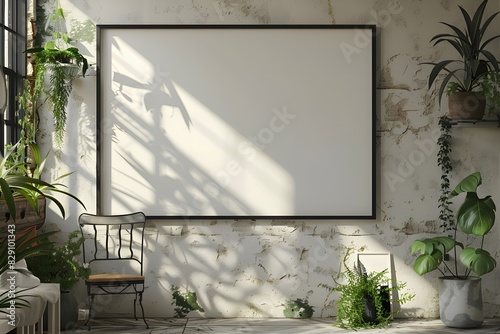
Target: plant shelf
476	123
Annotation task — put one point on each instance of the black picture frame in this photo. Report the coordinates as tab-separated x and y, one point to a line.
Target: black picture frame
174	99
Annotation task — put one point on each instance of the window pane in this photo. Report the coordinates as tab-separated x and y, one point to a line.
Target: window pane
12	44
8	13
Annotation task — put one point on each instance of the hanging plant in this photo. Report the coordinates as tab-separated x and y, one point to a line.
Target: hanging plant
62	63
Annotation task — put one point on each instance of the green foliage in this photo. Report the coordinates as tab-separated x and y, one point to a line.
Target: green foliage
6	300
475	216
491	91
28	107
53	59
298	308
15	181
185	302
474	61
365	298
38	245
444	162
62	266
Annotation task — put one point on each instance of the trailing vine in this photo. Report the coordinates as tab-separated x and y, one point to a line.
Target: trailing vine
444	161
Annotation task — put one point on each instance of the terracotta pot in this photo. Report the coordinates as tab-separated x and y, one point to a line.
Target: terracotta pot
461	302
466	106
26	217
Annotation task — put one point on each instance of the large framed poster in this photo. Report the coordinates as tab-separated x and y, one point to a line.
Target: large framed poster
236	121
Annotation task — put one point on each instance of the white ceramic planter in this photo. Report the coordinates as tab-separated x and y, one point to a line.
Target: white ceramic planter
461	302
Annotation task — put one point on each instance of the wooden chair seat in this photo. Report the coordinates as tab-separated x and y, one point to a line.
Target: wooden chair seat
104	278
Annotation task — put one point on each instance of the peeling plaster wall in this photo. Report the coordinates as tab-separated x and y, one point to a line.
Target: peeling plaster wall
248	268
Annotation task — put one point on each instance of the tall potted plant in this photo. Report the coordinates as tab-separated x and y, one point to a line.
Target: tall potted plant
460	297
465	74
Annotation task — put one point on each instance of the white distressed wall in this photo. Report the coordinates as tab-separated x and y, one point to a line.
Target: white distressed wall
247	268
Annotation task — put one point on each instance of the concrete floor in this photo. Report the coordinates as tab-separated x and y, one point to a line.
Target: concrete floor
267	326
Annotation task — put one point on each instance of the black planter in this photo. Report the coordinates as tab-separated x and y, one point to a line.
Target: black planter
370	311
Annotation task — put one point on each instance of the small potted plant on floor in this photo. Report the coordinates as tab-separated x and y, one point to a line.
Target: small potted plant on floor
366	297
460	298
464	76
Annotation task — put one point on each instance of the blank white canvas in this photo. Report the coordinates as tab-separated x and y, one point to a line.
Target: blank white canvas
237	122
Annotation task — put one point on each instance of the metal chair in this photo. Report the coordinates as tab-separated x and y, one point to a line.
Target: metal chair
114	250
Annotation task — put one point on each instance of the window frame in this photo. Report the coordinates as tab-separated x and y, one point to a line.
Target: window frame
13	41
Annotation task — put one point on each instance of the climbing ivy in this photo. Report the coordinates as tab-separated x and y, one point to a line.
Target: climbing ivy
444	162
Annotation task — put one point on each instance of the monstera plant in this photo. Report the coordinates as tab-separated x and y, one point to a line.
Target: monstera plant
460	296
476	216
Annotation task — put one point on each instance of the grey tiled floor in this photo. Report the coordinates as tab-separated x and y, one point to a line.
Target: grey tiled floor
268	326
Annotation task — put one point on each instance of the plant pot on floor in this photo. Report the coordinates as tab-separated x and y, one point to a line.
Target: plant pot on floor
466	106
461	302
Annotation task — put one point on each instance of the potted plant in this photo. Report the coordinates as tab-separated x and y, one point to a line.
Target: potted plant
463	80
63	63
366	297
16	183
17	239
459	292
63	267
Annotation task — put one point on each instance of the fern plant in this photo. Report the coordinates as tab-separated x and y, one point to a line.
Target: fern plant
365	298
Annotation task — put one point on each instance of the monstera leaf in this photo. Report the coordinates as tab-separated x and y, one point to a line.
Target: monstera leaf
476	215
432	253
478	260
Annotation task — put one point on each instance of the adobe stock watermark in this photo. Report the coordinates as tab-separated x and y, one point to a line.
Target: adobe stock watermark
11	275
425	148
362	39
248	150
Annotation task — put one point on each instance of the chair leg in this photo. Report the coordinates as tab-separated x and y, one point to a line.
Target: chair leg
135	303
142	309
91	296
